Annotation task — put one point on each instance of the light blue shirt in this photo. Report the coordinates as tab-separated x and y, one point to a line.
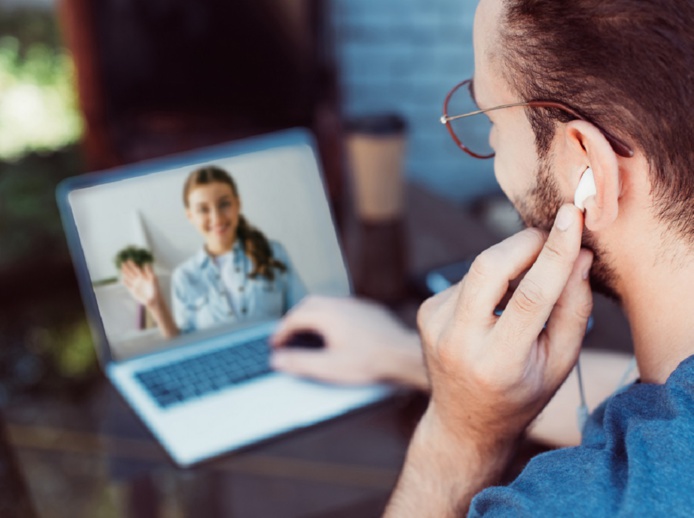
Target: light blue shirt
204	296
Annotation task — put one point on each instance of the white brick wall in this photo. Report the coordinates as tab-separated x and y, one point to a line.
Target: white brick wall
404	56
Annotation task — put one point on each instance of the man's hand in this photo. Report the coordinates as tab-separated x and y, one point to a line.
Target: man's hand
491	375
364	343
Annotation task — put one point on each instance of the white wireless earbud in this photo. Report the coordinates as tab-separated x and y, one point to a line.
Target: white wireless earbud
586	189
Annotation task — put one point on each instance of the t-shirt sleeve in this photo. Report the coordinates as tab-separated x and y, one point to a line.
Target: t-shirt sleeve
635	459
501	501
567	481
552	484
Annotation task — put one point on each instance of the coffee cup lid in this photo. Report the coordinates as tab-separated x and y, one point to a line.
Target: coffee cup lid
377	125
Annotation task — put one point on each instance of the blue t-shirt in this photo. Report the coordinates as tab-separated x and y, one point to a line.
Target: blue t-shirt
636	459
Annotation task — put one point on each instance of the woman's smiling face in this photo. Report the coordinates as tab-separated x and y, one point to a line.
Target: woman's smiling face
214	210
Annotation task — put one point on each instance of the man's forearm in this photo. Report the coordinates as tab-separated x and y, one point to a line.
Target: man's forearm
443	472
556	426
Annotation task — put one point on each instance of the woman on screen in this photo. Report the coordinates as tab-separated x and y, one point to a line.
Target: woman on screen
238	274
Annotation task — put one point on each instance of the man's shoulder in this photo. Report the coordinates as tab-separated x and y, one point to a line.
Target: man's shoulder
635	460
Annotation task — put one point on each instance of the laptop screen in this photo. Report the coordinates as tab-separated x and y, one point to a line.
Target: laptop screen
204	243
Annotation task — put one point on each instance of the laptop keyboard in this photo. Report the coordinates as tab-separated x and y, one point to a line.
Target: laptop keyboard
210	372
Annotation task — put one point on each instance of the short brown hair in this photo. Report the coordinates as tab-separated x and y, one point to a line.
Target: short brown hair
627	66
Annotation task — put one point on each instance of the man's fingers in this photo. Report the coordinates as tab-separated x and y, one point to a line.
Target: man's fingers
435	312
533	301
487	281
567	323
303	317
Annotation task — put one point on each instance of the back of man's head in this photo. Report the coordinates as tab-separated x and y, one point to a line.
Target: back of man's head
626	65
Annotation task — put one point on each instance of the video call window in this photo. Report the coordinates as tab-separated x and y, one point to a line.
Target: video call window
209	246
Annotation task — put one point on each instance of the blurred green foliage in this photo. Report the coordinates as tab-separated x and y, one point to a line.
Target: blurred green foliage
49	326
73	350
38	101
68	347
29	219
140	256
46	342
30	25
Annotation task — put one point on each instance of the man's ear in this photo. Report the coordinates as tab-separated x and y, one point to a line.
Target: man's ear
586	146
189	214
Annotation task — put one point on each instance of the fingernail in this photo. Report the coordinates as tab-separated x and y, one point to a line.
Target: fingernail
565	218
586	273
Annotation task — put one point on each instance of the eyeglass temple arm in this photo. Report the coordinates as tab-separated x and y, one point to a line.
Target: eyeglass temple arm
617	145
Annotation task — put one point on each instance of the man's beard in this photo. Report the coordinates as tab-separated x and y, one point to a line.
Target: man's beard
539	209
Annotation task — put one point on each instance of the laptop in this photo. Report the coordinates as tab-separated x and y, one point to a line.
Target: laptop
209	390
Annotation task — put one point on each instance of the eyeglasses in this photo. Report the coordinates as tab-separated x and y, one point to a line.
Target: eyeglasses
475	130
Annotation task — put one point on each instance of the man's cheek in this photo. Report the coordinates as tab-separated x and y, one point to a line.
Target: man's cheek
504	176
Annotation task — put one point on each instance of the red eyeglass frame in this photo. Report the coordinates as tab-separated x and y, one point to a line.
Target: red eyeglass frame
619	146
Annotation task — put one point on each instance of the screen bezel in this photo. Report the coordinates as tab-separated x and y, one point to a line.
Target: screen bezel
288	138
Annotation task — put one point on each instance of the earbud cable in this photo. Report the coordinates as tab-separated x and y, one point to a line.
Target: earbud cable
582	410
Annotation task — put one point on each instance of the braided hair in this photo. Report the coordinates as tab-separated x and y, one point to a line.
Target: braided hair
254	242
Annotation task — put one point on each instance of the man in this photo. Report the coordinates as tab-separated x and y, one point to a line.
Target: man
620	74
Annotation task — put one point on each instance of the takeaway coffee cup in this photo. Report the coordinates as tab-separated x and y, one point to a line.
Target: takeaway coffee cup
376	152
376	149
